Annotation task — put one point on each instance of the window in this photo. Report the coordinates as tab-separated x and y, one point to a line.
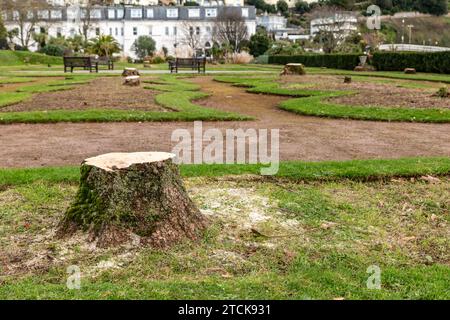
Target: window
149	13
56	14
167	31
122	32
120	13
150	30
59	32
208	29
117	31
110	31
96	14
135	31
194	13
43	14
172	13
30	15
197	31
245	12
111	14
174	31
210	13
136	13
97	31
15	15
42	30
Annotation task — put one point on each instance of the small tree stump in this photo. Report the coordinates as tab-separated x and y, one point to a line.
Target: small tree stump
133	81
410	71
130	72
122	195
293	69
348	79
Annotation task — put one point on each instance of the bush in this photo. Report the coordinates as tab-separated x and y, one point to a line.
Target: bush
335	61
53	50
240	58
157	60
437	62
144	46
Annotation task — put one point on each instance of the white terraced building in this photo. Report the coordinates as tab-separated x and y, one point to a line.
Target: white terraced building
167	25
151	2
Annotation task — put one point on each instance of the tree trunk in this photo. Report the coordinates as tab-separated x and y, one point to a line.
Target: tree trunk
122	195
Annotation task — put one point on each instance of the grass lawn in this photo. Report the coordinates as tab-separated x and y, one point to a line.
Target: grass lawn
313	103
310	233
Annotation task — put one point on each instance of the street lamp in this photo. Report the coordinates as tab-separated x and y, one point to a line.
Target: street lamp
410	27
403	31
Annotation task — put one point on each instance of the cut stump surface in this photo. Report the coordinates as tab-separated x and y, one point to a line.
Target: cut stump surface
127	195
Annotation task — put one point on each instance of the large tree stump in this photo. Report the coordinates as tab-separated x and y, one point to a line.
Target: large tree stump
132	81
122	195
130	72
293	69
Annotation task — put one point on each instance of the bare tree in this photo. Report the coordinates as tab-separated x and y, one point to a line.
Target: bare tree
87	19
230	28
191	35
331	26
24	13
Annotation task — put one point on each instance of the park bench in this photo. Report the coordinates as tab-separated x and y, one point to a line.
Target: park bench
198	64
87	63
106	61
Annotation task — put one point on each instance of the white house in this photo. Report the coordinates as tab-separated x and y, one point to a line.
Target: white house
150	2
290	3
340	23
167	25
271	22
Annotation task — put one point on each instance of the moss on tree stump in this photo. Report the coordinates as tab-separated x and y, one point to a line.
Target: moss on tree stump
122	195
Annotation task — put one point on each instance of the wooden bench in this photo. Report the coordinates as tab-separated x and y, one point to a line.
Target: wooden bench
87	63
106	61
198	64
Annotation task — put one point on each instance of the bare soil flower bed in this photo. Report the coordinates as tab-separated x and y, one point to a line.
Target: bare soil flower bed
103	93
373	92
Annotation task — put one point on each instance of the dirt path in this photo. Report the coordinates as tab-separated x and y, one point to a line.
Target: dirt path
304	138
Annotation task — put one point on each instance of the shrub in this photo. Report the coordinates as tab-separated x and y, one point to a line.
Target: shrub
53	50
158	60
240	58
259	43
335	61
437	62
144	46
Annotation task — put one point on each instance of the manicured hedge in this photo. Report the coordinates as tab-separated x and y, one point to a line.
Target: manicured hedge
437	62
334	61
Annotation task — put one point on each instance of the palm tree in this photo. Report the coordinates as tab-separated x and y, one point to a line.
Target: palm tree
104	46
77	43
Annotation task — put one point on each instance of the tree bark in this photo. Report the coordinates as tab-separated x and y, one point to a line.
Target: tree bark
122	195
